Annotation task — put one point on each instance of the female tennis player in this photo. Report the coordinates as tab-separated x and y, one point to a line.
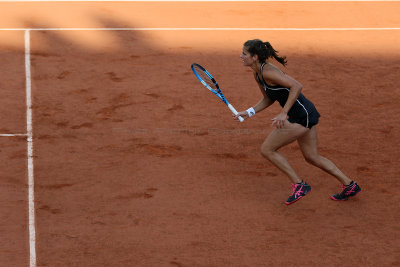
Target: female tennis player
296	121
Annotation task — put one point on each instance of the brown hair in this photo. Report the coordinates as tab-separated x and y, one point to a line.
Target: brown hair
263	50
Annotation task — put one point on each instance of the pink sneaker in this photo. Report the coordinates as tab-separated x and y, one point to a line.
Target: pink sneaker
348	191
298	191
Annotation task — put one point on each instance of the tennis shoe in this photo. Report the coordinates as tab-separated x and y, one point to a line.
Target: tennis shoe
298	191
347	191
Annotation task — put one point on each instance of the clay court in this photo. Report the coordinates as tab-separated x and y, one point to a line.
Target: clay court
113	154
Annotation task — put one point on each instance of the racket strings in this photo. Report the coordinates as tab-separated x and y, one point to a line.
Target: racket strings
203	75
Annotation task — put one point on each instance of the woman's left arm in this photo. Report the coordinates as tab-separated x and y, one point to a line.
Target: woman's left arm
288	82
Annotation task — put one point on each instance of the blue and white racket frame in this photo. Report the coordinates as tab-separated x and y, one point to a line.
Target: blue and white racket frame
218	91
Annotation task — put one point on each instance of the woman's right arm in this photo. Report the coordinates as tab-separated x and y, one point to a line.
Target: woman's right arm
264	102
261	105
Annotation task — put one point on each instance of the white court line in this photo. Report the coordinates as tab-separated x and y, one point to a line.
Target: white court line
202	29
199	1
5	135
31	188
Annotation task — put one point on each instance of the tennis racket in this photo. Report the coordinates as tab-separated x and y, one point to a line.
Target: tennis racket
208	81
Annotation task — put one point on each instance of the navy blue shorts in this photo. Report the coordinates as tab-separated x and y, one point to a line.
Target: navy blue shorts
307	121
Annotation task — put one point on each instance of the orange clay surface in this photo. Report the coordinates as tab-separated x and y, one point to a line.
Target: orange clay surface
137	164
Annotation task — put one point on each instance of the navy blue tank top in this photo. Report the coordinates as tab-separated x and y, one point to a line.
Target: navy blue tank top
301	110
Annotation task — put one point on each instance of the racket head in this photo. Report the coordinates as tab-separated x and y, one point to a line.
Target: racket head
205	78
208	81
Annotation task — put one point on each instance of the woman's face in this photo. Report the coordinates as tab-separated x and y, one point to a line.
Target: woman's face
247	58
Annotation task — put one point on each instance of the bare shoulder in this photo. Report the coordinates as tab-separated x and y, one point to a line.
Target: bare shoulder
272	74
270	69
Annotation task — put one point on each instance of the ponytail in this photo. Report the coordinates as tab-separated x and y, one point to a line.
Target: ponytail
273	53
263	50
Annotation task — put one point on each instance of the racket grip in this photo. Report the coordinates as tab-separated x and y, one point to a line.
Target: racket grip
235	112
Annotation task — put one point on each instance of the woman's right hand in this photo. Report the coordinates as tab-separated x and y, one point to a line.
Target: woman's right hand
242	114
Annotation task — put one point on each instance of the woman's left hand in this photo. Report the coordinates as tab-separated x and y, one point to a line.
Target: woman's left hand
279	120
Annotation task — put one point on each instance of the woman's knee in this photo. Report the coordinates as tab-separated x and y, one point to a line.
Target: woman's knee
267	151
313	159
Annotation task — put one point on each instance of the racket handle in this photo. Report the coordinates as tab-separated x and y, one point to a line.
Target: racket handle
235	112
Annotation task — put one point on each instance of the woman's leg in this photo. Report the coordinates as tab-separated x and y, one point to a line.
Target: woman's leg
309	147
279	138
